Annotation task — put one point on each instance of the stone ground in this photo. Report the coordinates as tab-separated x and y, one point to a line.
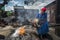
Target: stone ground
52	33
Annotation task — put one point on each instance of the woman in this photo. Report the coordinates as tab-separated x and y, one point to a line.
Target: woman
43	29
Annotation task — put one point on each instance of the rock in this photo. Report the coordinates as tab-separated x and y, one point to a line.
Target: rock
8	27
6	30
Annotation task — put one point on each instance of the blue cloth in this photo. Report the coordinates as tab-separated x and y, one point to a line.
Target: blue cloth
43	29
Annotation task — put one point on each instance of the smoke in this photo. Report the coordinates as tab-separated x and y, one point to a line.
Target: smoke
26	14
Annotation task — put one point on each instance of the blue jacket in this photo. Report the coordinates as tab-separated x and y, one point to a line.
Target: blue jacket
44	27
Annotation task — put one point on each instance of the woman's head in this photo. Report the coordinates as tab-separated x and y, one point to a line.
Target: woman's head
43	10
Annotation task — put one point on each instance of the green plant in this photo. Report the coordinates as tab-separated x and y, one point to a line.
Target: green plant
9	13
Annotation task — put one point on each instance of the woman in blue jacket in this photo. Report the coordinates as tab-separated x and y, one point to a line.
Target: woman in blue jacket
43	29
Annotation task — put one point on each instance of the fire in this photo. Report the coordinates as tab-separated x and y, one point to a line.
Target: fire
22	31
